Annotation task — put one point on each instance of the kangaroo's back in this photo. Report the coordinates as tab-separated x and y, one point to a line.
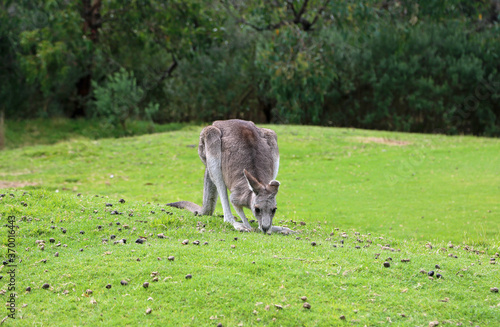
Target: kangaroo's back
245	146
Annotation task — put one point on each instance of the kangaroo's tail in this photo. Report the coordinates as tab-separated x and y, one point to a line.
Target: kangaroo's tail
193	207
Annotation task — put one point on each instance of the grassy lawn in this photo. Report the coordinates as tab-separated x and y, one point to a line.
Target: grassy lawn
392	194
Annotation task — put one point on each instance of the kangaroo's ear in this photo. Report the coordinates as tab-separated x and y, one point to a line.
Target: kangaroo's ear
253	183
274	186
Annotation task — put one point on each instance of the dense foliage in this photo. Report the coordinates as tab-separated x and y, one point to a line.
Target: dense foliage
419	66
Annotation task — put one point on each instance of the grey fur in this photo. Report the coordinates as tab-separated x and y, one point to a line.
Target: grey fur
243	158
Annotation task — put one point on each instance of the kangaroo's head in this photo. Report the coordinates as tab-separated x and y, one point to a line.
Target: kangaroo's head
263	203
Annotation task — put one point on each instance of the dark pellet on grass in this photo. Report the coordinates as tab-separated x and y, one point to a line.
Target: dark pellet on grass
124	240
64	231
52	240
81	250
313	243
56	254
189	276
109	204
439	276
206	243
437	267
494	289
82	232
108	286
121	201
140	241
28	289
306	305
431	273
112	237
124	282
171	258
45	286
196	242
387	264
145	285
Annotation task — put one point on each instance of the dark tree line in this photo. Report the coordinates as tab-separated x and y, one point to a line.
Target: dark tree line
419	66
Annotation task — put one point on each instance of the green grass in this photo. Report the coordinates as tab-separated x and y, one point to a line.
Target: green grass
19	133
435	189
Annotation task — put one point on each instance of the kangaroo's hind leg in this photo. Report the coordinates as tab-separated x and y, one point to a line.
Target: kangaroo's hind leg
209	195
210	152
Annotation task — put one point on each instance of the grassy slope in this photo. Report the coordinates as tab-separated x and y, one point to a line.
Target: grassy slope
330	178
226	284
19	133
436	188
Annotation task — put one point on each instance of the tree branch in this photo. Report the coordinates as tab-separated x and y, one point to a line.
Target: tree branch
320	11
297	17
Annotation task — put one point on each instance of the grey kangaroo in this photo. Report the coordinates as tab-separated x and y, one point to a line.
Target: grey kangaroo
243	158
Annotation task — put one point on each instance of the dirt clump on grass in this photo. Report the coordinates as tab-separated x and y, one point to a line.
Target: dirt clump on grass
14	184
382	140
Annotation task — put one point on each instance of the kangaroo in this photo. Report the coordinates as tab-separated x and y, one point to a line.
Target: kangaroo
243	158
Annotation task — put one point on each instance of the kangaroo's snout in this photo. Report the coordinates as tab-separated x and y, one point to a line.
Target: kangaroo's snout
265	229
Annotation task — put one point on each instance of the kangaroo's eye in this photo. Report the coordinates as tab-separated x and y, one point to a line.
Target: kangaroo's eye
257	211
274	210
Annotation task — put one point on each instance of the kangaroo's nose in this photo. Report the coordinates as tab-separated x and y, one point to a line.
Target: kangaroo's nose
265	229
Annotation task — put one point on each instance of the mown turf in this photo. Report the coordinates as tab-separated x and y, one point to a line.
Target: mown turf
19	133
234	281
433	188
399	195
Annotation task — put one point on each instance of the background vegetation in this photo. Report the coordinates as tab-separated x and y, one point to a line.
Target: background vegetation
418	66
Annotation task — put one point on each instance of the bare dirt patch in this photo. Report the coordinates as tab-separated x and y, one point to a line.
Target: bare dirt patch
382	140
14	184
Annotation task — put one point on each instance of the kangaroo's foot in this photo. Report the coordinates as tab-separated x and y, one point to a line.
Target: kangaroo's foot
282	230
241	227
